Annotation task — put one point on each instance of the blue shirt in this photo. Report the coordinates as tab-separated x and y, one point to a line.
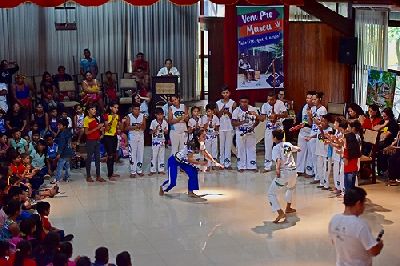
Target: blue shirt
2	126
89	65
52	151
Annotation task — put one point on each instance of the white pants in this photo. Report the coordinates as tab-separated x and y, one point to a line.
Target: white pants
324	165
301	160
225	147
212	147
157	159
135	149
246	151
178	141
338	174
268	144
288	181
311	161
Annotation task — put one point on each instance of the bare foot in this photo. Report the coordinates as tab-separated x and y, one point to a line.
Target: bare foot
132	176
115	175
151	173
140	174
162	173
290	210
280	217
161	192
112	178
89	179
240	170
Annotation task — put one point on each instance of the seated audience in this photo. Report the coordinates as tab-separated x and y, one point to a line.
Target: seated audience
59	77
373	118
101	257
91	92
40	117
7	70
110	88
355	112
21	92
3	97
17	118
124	259
49	92
88	64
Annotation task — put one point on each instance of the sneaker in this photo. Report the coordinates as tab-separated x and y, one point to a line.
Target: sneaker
68	238
54	181
89	179
100	179
112	178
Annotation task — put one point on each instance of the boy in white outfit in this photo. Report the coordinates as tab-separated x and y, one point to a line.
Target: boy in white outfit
158	129
245	119
273	111
210	124
194	123
136	124
177	119
282	155
225	107
323	153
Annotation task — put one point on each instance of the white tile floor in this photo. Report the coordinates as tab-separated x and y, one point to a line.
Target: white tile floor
232	227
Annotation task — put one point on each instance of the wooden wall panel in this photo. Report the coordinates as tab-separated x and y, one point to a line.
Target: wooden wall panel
313	64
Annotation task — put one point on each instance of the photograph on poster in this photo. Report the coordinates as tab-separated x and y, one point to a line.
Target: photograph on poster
381	87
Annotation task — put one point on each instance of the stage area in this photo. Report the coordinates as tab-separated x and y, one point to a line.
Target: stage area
231	226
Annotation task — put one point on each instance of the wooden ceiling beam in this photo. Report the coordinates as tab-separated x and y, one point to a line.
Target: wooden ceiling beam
331	18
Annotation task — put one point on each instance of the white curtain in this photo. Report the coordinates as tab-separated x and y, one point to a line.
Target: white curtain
371	29
156	30
114	32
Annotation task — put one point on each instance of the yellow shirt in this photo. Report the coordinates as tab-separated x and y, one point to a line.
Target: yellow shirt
112	127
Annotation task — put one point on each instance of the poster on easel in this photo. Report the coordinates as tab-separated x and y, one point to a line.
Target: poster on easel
381	87
260	47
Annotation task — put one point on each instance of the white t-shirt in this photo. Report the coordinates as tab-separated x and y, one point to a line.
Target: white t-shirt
321	148
317	113
283	151
335	155
3	98
225	121
158	137
194	123
249	120
211	133
278	108
352	238
135	121
179	127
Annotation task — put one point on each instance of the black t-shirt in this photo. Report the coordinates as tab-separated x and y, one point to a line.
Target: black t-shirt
6	74
393	128
16	120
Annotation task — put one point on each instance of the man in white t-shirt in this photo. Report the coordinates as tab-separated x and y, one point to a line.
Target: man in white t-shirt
351	236
169	70
273	112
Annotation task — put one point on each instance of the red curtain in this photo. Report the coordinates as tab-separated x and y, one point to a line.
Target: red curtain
52	3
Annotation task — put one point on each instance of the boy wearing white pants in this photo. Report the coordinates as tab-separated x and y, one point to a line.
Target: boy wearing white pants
225	108
177	118
158	129
244	118
323	153
337	142
210	124
273	111
282	155
136	124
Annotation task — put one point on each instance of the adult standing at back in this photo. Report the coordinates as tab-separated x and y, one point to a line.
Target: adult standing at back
351	236
7	70
88	64
169	69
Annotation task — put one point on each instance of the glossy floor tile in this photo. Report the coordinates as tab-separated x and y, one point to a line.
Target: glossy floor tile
231	225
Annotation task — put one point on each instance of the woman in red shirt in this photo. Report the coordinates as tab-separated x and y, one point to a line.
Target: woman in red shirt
351	155
23	255
373	119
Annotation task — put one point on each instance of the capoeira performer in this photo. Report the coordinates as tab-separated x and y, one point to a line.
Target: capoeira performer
282	155
225	108
305	131
273	111
177	118
315	115
244	118
188	160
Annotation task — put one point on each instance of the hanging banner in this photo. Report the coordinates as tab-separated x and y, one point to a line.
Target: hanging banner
260	47
381	87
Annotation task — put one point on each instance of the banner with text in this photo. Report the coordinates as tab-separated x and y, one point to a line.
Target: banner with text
260	47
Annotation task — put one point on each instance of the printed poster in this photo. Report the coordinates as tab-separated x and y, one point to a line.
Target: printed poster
260	47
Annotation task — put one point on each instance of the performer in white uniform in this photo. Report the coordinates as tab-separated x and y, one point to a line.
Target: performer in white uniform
337	142
273	111
323	153
225	108
210	124
158	129
136	124
286	175
315	114
194	122
177	118
244	118
305	131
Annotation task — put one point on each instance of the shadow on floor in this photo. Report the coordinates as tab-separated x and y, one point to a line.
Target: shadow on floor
374	218
269	227
185	198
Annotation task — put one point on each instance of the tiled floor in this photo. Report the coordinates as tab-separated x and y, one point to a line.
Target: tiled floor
231	227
